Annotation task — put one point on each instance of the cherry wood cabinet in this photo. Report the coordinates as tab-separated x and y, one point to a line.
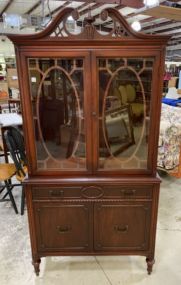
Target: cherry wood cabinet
122	226
61	220
91	102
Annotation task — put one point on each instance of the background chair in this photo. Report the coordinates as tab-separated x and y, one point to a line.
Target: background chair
15	144
7	171
128	96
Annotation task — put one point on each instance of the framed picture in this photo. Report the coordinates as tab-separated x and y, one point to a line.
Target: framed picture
118	129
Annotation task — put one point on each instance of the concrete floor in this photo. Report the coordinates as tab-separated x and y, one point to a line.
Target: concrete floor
15	253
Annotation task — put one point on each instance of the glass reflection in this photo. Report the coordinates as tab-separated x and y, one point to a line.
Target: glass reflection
124	108
57	101
119	131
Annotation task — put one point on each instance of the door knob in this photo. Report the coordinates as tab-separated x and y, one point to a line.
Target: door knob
94	114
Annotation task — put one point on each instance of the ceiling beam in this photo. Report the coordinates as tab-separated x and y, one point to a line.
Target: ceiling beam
63	6
163	27
6	7
152	22
174	47
91	8
147	21
137	4
129	3
162	11
58	9
33	7
157	24
116	7
171	43
82	6
99	1
172	32
176	36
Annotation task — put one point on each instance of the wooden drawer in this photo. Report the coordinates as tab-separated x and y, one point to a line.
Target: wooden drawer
128	192
56	192
92	192
62	226
122	226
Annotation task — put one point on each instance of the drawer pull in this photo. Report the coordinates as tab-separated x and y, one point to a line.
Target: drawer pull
121	228
55	193
127	192
64	229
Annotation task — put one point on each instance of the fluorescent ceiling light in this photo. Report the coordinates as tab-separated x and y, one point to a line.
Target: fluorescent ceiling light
12	20
151	3
70	19
136	26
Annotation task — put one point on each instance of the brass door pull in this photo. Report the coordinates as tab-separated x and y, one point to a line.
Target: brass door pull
121	228
64	229
56	193
128	192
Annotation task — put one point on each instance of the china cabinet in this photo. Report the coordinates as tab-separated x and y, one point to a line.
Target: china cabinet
91	99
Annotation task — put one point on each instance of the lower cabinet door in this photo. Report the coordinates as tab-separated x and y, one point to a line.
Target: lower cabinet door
63	226
122	226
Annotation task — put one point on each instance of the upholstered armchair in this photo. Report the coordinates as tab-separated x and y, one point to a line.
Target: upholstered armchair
128	96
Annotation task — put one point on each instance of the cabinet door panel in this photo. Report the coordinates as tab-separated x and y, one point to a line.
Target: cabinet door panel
125	90
62	227
122	226
59	102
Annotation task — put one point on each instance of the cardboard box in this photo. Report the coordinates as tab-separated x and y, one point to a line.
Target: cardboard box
4	86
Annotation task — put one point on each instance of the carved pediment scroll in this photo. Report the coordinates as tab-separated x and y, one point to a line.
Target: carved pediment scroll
68	25
89	29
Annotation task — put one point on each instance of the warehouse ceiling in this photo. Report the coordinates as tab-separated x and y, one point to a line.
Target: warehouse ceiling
162	19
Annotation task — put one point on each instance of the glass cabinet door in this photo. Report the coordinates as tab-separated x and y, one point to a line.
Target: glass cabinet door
57	96
125	87
67	117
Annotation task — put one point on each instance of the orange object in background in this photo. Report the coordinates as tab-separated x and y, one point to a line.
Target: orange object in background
3	94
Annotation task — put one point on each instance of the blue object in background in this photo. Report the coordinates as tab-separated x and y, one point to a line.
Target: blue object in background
171	102
179	83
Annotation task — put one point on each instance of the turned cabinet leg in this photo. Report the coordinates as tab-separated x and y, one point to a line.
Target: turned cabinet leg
150	261
36	264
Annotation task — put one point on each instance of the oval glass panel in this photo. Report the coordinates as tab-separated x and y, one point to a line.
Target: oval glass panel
123	121
58	114
57	99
